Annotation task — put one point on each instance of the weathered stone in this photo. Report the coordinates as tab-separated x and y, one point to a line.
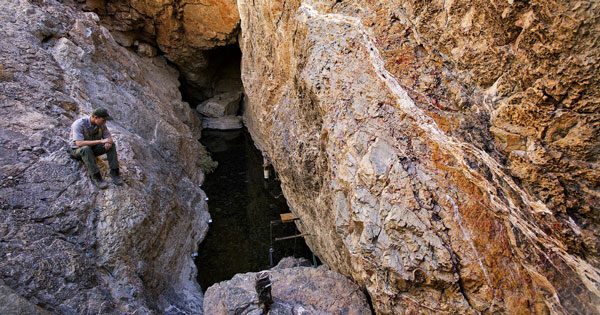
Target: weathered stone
291	262
123	38
442	153
64	245
296	290
224	104
222	123
13	304
184	31
145	50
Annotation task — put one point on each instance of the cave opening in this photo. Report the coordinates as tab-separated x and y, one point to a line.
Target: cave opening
242	203
218	73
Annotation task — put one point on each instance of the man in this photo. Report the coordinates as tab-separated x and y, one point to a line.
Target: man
90	138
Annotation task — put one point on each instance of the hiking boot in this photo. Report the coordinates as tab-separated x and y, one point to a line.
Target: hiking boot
116	178
98	181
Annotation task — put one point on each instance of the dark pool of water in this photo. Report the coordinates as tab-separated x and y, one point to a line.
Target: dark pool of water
242	204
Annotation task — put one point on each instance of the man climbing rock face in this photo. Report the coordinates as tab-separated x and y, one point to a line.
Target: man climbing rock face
90	138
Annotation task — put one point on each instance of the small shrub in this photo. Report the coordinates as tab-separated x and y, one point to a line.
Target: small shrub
5	75
205	162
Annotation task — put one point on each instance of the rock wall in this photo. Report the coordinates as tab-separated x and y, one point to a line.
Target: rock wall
64	245
185	31
12	303
444	153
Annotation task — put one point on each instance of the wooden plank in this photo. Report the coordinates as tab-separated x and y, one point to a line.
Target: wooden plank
277	239
287	217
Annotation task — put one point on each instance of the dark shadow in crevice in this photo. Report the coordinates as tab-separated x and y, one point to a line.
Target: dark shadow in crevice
220	74
242	204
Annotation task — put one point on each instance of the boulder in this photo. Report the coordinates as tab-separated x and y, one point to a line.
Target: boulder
145	50
296	290
291	262
224	104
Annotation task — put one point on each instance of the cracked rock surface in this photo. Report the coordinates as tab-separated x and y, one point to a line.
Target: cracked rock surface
443	154
64	245
294	290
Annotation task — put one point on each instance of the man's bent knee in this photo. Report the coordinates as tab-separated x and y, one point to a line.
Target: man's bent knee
86	150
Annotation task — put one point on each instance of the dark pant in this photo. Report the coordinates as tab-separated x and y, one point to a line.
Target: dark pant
88	155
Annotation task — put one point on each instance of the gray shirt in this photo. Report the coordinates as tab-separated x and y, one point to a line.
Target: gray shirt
83	129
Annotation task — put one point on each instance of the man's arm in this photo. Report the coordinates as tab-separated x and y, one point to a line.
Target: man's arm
78	137
82	143
107	136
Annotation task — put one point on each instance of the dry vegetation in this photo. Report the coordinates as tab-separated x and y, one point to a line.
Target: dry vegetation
205	162
5	75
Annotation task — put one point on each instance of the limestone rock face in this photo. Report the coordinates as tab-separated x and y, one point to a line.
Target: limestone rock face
297	290
184	30
64	245
443	153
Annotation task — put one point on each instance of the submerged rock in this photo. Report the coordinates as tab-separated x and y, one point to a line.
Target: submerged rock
64	245
294	290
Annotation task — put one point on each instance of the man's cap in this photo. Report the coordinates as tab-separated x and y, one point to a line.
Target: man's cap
102	113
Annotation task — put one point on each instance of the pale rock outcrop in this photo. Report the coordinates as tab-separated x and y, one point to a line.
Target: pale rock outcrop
145	50
294	290
220	111
65	246
224	104
443	154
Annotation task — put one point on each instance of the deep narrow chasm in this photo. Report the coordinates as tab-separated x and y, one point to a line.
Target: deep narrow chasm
242	205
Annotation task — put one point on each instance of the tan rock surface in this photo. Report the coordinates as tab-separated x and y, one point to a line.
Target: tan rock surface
184	30
443	154
177	26
65	246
